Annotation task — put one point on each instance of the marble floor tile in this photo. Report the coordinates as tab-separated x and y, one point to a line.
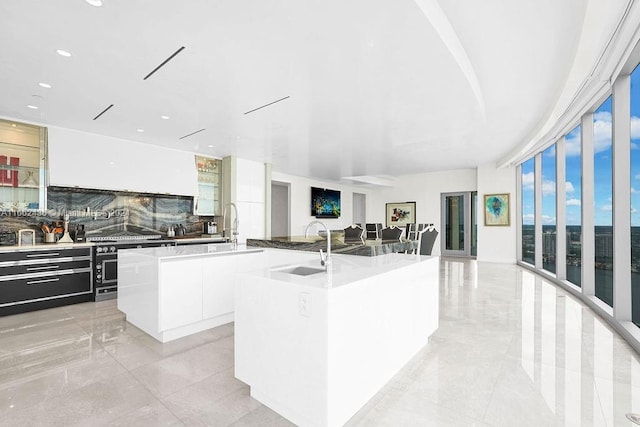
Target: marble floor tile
511	349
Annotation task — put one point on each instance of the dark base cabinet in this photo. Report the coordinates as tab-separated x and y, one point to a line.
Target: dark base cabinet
43	278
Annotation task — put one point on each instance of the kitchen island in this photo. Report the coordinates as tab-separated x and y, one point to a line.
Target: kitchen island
316	345
172	292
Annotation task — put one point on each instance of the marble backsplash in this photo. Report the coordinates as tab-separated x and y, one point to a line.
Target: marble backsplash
107	210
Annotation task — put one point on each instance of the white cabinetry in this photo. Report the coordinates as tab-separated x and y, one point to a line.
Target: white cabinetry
218	278
80	159
180	293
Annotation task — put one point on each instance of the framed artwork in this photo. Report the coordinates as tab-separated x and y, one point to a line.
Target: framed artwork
496	209
401	214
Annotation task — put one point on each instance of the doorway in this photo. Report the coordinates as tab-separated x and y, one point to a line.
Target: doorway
459	224
359	208
280	209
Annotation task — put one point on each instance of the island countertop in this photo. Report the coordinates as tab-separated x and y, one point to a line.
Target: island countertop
313	244
192	251
342	270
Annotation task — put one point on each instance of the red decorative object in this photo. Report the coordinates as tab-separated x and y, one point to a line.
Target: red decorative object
9	177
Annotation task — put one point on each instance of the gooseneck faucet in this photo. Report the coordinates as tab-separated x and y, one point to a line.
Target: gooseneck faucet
234	228
325	259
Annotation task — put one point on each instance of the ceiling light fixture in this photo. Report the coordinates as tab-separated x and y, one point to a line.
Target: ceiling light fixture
63	53
33	107
164	117
140	130
210	146
44	85
96	3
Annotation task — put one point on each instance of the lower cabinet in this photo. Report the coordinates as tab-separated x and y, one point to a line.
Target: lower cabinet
218	278
45	277
180	293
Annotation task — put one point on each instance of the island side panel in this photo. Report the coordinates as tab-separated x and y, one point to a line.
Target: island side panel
279	352
138	294
375	327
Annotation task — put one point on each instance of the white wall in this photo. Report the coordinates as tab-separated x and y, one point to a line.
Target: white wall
425	190
497	244
301	201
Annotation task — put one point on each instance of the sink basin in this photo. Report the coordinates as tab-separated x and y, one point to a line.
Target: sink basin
301	270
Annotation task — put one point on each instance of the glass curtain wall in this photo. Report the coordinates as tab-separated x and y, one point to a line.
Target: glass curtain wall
573	167
528	211
635	195
603	196
549	209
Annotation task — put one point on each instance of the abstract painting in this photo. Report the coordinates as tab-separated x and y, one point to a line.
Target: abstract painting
400	214
496	209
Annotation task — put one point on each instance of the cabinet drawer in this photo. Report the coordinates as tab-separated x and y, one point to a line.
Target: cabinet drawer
46	253
46	267
52	286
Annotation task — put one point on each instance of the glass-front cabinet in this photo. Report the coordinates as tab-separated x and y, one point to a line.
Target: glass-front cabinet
209	180
23	166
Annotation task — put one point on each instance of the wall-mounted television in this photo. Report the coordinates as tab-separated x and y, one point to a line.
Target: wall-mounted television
325	203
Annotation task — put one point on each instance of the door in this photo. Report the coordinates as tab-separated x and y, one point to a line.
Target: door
459	224
280	210
359	209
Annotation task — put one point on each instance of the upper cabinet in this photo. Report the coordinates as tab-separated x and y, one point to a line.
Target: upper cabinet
80	159
23	163
209	180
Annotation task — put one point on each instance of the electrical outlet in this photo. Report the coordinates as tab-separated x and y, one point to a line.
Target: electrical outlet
304	304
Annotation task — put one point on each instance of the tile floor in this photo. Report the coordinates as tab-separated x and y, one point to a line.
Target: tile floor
511	350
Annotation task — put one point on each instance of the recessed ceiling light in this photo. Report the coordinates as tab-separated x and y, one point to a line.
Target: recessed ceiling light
44	85
164	117
63	53
210	146
96	3
33	107
140	130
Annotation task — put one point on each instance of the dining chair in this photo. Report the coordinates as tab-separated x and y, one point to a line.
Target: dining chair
353	234
373	230
391	234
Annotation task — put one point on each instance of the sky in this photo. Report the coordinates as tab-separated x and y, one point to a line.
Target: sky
602	170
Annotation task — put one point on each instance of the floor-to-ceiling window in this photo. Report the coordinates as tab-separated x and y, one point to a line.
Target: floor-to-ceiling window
528	212
549	209
603	197
573	167
635	195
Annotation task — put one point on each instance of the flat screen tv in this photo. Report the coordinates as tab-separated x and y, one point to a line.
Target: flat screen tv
325	203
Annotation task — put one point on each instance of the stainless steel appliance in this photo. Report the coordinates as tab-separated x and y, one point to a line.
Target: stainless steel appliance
105	261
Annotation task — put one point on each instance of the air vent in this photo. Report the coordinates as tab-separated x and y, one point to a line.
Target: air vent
103	111
163	63
192	133
266	105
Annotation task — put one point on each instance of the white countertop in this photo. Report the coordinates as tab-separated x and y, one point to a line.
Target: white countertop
191	251
44	246
343	269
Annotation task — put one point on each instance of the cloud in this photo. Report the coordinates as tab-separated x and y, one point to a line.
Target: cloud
607	208
634	210
602	131
528	180
635	127
574	202
546	219
568	187
634	191
548	187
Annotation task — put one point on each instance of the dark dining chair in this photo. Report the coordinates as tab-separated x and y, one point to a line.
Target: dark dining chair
373	230
354	234
427	239
391	234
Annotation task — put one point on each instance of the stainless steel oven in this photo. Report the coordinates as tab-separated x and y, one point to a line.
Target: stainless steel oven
105	262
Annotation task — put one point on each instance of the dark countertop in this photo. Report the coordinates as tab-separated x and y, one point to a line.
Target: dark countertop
315	243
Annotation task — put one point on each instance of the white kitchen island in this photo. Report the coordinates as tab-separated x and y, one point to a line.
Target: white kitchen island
172	292
316	348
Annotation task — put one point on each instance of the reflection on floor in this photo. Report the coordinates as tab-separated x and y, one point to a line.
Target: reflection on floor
511	349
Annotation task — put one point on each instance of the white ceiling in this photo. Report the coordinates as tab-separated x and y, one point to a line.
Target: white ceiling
377	88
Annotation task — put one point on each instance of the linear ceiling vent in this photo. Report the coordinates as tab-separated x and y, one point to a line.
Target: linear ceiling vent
266	105
192	133
103	111
164	62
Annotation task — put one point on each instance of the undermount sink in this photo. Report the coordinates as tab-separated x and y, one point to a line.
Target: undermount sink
301	270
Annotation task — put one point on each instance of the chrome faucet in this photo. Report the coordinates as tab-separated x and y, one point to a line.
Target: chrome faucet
234	228
325	259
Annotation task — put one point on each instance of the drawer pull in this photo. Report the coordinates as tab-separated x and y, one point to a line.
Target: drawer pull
46	267
35	282
43	255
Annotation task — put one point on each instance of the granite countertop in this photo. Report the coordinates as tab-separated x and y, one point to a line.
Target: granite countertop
338	246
